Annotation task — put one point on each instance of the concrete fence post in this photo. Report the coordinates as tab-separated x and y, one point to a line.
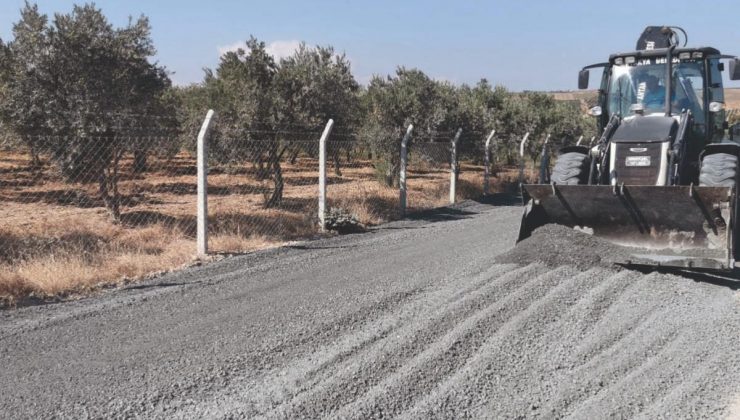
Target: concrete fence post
454	167
202	163
322	174
402	175
545	162
487	164
521	161
521	157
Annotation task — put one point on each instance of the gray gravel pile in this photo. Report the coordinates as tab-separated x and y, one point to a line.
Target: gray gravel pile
413	320
556	245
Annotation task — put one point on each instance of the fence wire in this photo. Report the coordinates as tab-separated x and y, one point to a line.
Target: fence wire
85	209
81	210
267	196
428	179
361	185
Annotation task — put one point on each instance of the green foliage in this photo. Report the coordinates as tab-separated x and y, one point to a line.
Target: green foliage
314	85
70	85
393	103
538	114
242	93
474	110
259	101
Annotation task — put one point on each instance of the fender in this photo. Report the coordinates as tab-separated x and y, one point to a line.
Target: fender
576	149
714	148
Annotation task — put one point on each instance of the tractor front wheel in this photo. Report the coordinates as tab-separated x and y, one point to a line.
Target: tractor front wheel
571	169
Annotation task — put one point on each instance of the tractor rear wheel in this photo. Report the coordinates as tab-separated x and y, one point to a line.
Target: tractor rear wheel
718	170
721	170
570	169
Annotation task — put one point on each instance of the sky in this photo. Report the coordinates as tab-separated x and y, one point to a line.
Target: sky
523	45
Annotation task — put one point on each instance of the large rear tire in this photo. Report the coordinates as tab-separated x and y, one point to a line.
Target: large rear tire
721	170
570	169
718	170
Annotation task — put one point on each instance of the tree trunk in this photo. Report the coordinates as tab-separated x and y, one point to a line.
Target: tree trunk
140	163
35	159
108	181
262	169
112	201
391	175
294	156
277	178
335	157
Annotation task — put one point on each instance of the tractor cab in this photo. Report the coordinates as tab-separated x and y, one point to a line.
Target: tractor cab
660	78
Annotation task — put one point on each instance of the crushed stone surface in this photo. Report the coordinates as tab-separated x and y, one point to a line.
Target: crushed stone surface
411	320
556	245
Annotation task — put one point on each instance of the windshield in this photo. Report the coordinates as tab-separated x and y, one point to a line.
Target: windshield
643	83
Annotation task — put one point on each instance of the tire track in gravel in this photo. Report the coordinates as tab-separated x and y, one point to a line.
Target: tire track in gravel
506	383
327	378
664	330
483	370
577	322
446	356
448	353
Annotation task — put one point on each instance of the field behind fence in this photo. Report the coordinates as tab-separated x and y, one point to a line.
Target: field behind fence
57	235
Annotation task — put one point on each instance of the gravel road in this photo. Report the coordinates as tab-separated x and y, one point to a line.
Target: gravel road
412	320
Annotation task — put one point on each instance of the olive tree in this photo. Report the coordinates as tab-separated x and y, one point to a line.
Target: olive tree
392	103
73	85
312	86
242	92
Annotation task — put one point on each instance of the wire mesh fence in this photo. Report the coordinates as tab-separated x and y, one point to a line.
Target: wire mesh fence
266	197
428	175
358	189
97	210
79	211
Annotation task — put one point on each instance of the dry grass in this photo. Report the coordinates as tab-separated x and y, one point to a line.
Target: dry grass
56	238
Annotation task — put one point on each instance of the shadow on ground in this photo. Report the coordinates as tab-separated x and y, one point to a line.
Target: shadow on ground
443	214
501	199
728	279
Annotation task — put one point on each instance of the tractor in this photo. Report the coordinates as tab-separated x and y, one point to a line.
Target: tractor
663	175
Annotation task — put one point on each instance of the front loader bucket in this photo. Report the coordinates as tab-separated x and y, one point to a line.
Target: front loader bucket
681	226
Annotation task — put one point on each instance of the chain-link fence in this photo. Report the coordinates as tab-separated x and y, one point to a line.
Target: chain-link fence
429	174
359	192
79	211
266	195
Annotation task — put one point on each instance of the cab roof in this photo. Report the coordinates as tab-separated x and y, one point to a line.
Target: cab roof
661	52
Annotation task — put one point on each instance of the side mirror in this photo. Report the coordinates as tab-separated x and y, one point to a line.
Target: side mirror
595	111
734	69
716	107
583	79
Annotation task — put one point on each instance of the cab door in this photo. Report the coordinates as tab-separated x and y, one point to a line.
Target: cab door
715	93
